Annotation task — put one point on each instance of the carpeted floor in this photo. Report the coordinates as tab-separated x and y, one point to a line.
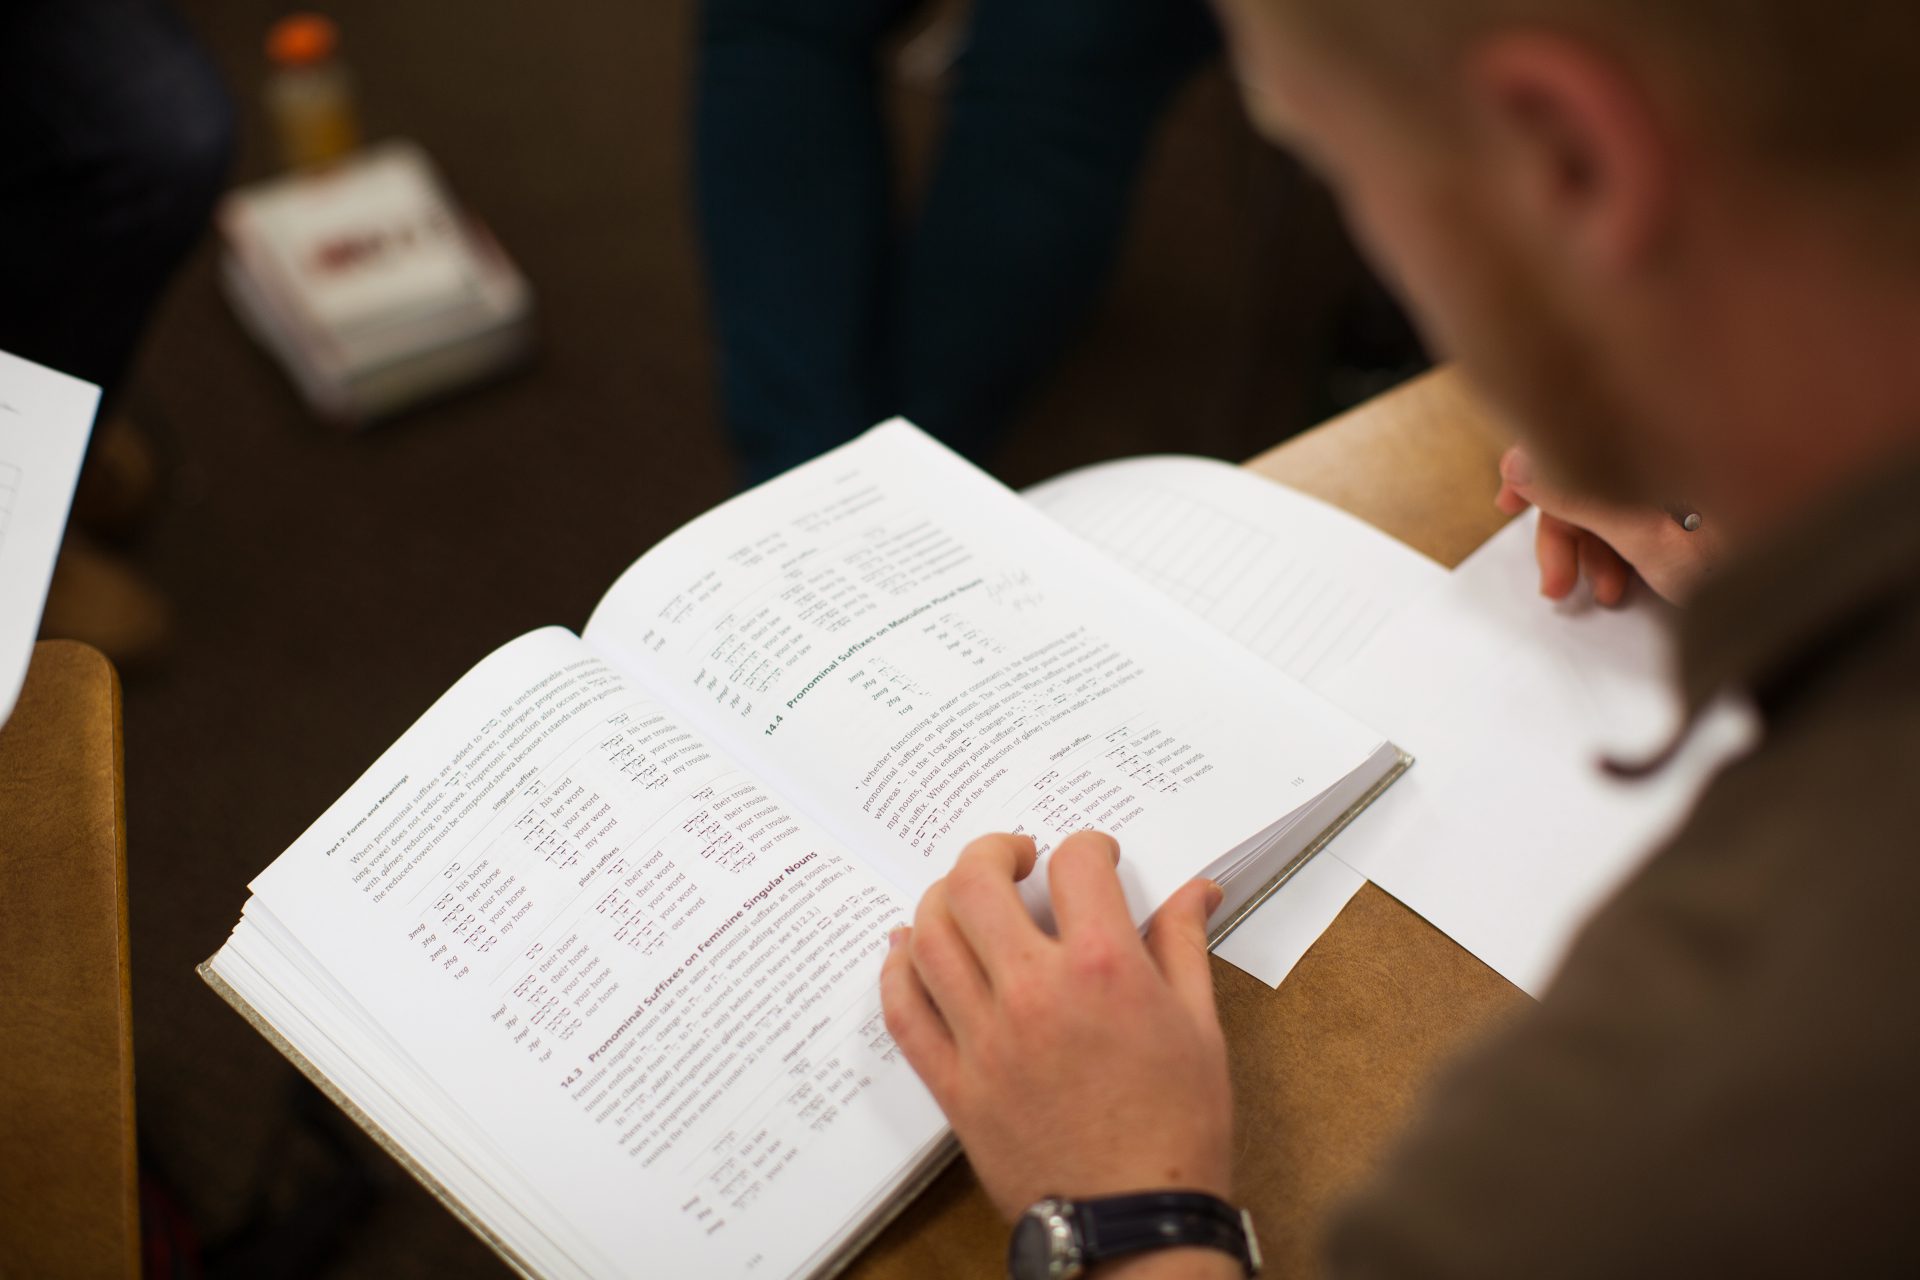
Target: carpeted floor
329	586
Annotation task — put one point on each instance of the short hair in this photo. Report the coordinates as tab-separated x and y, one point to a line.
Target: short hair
1828	87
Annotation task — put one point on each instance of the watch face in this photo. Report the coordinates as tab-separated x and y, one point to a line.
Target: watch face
1044	1244
1030	1252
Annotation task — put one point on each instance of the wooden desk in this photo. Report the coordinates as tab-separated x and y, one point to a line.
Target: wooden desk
1327	1068
68	1186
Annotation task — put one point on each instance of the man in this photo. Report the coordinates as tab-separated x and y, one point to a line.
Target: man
1673	239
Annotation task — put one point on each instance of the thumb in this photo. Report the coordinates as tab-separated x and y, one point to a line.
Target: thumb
1613	524
1672	560
1177	940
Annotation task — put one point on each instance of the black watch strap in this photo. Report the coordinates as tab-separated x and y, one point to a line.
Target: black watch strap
1115	1225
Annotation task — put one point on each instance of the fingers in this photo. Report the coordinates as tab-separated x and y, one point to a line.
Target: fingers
1605	569
986	909
1520	477
1556	543
1556	546
1623	528
1177	940
1579	537
912	1020
1509	499
1087	897
946	963
1013	854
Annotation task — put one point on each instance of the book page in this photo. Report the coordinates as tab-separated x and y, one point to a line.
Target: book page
1300	583
1509	833
649	984
45	419
920	657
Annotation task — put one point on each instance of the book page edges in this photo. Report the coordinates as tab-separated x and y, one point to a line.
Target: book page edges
1402	762
897	1200
947	1152
896	1203
842	1257
366	1122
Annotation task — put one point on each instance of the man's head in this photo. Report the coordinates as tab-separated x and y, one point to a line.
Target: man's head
1599	207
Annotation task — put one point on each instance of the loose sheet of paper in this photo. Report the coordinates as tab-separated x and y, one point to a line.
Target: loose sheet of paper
1508	834
45	418
1302	584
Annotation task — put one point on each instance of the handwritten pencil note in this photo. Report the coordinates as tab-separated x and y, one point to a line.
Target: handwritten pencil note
45	418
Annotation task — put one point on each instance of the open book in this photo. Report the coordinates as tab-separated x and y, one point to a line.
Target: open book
594	947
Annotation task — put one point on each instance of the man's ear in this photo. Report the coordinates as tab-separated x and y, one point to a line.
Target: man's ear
1577	143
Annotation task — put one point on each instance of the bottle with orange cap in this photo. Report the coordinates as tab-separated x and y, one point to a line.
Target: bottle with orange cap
310	91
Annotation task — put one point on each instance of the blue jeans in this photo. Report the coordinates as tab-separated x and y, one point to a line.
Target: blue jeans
829	317
115	135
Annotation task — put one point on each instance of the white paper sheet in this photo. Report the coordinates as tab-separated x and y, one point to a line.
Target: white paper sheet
1271	941
45	418
1301	583
1507	834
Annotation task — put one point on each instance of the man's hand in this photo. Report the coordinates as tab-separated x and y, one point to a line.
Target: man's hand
1083	1065
1606	544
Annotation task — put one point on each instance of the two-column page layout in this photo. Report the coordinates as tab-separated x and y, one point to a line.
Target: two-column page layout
594	947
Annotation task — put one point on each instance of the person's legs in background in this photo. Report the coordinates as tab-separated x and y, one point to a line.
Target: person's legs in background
794	199
115	137
827	321
1054	104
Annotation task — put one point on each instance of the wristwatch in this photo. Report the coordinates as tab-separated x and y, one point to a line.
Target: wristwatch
1058	1239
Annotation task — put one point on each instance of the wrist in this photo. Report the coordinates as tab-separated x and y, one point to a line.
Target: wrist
1171	1264
1150	1235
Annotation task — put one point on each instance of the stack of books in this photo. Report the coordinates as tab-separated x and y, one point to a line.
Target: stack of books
372	288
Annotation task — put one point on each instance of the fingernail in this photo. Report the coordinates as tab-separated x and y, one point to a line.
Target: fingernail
897	936
1215	896
1518	468
1094	833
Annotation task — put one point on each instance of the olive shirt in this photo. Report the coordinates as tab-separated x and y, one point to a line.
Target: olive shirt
1724	1079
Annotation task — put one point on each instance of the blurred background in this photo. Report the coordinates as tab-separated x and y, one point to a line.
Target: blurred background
325	586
